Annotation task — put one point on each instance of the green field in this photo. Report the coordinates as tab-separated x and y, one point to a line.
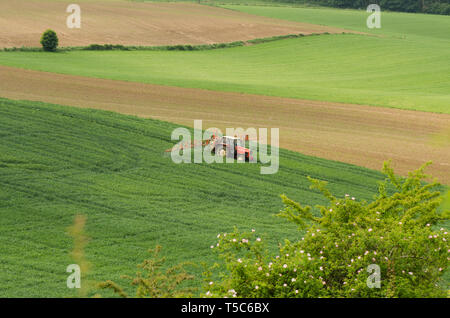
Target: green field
429	27
344	68
57	161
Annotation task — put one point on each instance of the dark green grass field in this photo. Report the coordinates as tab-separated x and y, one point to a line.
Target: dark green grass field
56	162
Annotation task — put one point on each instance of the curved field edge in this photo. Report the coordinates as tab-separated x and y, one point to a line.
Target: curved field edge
178	47
142	24
338	68
58	161
396	24
360	135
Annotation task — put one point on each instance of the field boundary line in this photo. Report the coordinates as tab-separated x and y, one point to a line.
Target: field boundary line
177	47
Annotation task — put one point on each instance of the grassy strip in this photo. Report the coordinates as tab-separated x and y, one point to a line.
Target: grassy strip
178	47
281	37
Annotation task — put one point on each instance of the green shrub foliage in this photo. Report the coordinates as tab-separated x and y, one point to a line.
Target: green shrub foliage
397	231
49	41
155	282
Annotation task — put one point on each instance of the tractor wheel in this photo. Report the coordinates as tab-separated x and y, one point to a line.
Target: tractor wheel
222	152
241	157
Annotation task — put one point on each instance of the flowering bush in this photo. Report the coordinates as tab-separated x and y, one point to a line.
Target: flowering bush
386	248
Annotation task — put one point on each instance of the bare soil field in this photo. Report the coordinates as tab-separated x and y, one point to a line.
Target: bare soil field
361	135
133	23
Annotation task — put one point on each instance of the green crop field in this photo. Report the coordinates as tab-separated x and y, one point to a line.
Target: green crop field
429	27
343	68
56	162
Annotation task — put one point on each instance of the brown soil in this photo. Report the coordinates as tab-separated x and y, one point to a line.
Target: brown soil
361	135
133	23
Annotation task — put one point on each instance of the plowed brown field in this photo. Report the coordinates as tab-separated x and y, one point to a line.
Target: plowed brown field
361	135
133	23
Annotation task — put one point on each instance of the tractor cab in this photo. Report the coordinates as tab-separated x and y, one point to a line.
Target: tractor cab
232	142
232	147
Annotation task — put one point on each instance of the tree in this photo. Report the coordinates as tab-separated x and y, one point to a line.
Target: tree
49	40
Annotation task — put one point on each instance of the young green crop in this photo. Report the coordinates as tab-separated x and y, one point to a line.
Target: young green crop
57	162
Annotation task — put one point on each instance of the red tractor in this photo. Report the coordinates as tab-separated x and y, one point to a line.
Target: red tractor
231	147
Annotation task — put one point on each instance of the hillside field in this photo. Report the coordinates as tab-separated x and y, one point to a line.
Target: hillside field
360	69
417	27
356	134
131	23
57	161
344	103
